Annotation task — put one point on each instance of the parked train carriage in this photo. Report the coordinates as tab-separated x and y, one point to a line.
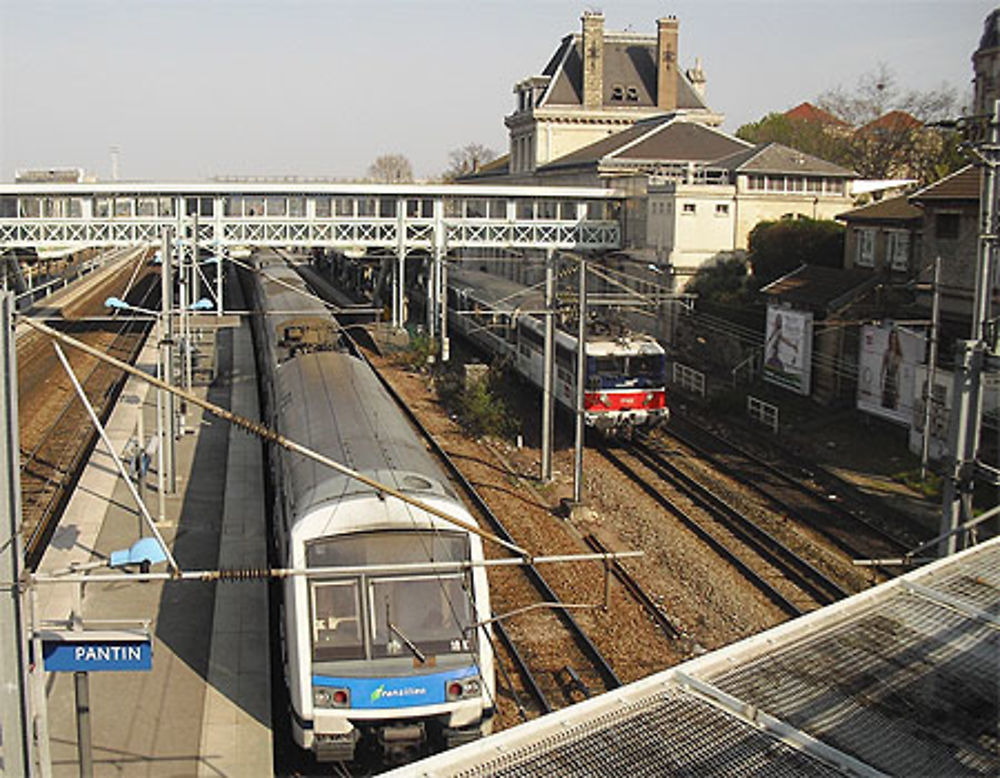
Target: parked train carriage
625	374
379	653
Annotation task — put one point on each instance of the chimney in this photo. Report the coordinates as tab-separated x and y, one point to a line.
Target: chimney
666	63
593	59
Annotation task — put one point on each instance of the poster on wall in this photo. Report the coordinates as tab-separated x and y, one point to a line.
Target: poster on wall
886	363
788	348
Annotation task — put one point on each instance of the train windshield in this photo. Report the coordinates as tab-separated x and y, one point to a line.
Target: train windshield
642	370
382	614
425	613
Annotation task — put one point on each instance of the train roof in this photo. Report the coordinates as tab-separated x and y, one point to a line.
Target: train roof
509	296
903	679
351	419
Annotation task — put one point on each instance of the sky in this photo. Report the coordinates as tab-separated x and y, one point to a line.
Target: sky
190	89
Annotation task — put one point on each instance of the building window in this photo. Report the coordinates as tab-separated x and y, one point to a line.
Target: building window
722	209
755	183
688	209
617	93
866	248
632	94
946	226
833	186
897	250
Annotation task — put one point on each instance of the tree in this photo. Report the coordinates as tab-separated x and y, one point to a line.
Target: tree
887	131
723	282
778	247
820	140
467	159
391	169
892	138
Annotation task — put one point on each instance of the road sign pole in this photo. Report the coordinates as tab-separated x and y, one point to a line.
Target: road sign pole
81	684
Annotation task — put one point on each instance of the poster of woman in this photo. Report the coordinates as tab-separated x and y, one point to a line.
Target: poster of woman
886	362
788	348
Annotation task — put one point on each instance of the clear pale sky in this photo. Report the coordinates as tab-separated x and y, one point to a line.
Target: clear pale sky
189	89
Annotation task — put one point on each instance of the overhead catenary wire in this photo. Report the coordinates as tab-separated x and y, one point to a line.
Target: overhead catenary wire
266	433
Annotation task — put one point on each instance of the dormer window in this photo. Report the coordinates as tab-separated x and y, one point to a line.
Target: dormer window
617	93
632	94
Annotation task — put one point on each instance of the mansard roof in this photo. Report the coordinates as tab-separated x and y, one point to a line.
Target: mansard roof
663	139
777	158
629	61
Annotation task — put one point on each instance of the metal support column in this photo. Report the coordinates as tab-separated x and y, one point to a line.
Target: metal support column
167	293
14	710
581	375
931	368
548	369
445	340
970	357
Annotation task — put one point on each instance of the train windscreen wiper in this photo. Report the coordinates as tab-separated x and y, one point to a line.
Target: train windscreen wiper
421	657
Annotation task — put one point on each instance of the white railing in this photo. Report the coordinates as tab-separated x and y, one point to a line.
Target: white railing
763	412
688	379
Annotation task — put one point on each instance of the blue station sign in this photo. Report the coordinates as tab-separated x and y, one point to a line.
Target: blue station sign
93	651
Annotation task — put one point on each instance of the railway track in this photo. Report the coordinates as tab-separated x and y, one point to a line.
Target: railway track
849	530
56	435
581	669
771	570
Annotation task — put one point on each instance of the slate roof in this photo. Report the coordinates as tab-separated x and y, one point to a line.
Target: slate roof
895	209
819	288
629	61
667	139
807	112
991	31
776	158
963	184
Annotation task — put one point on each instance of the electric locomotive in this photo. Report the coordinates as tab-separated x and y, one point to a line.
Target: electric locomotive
388	649
625	382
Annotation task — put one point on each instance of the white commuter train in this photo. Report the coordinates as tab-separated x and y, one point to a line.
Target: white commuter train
384	654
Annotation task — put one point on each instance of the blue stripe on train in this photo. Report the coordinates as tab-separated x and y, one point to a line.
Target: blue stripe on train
398	692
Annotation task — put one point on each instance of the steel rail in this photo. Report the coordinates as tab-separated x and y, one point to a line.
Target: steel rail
632	586
580	637
894	543
714	543
806	576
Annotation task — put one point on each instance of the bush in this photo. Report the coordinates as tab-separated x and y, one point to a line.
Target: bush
482	412
422	348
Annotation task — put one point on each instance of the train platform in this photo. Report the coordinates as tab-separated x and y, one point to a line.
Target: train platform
204	707
902	679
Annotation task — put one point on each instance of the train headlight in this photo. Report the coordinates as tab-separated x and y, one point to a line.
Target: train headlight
327	697
462	689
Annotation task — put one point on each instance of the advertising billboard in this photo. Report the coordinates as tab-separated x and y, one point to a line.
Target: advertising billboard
886	363
788	348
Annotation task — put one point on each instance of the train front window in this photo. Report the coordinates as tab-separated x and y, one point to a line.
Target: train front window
427	613
336	621
649	367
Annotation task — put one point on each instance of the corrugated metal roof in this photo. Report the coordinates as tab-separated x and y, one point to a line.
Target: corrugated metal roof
903	679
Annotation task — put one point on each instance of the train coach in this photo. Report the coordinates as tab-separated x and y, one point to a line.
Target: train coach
387	652
625	382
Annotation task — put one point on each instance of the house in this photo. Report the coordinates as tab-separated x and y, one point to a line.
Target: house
597	83
884	237
712	211
950	210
